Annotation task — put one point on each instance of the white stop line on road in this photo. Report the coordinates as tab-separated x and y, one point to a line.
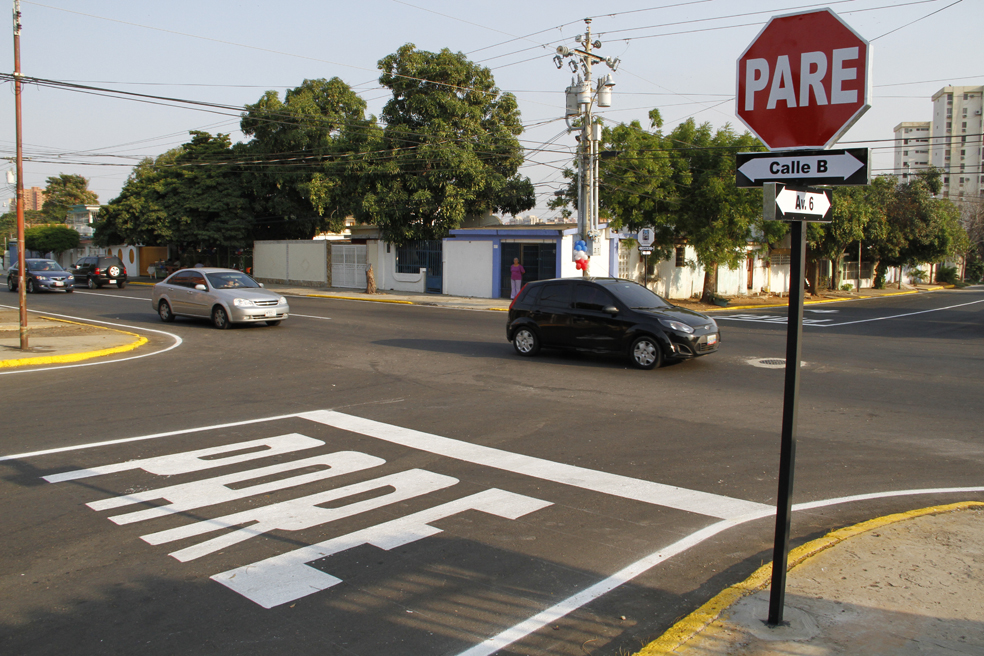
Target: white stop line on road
289	576
828	323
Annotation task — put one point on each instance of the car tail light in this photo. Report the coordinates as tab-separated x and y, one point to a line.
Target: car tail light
517	296
96	271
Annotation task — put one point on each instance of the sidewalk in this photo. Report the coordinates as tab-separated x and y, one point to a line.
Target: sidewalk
58	341
905	584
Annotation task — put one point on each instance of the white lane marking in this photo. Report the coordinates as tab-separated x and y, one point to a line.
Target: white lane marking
309	316
822	323
132	298
301	513
141	438
213	491
177	342
280	579
626	574
704	503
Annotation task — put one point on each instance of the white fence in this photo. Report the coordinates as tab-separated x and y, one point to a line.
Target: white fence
297	262
348	266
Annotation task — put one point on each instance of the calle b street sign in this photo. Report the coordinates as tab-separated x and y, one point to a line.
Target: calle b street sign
803	81
837	168
785	203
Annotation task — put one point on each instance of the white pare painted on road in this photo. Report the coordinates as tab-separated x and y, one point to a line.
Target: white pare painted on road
193	461
301	513
704	503
213	491
288	577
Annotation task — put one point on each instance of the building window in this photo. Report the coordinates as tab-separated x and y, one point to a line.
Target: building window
905	153
681	256
779	260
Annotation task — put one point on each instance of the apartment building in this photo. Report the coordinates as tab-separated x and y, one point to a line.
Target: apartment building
955	142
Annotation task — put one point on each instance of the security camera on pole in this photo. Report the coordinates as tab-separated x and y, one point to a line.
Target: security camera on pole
581	95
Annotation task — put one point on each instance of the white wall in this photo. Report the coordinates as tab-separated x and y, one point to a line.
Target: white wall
300	261
384	269
468	268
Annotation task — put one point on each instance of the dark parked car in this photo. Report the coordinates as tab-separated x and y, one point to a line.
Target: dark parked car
98	271
608	315
41	274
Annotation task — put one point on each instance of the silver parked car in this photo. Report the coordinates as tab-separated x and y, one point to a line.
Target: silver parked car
223	295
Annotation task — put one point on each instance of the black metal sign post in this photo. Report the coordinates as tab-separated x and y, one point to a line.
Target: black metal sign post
790	404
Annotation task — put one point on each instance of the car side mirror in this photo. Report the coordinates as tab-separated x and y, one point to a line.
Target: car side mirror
611	309
200	287
260	284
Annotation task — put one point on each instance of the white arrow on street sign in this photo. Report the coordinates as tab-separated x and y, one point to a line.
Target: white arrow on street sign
802	202
785	203
792	167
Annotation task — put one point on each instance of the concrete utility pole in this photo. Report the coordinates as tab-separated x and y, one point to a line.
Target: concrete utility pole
21	291
581	95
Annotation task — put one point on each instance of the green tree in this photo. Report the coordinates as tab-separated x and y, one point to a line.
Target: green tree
854	208
449	148
189	196
63	191
916	228
304	163
51	239
715	217
8	221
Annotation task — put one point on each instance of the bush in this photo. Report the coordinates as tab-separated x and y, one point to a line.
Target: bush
846	287
975	271
916	276
880	271
946	275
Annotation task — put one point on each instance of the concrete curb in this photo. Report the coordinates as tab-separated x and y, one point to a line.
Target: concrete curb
76	357
830	300
691	626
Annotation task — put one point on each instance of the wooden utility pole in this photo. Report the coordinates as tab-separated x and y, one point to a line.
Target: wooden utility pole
21	290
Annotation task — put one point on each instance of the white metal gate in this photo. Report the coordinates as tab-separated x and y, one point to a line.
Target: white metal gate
348	266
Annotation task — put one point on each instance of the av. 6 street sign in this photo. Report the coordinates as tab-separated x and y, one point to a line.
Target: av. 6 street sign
803	81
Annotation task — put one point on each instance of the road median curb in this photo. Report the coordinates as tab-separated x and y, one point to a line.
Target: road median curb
691	626
67	358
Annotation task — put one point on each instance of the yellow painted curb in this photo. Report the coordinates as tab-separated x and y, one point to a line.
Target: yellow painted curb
76	357
357	298
687	628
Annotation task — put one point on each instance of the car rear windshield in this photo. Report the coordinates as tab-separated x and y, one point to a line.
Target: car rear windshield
230	280
636	296
44	265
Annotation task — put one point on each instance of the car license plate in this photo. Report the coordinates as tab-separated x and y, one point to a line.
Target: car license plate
712	339
270	313
58	283
111	282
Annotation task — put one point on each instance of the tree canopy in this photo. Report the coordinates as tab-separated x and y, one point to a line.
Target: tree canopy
50	238
302	167
191	196
448	148
63	191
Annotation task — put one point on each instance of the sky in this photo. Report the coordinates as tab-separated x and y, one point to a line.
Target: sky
676	55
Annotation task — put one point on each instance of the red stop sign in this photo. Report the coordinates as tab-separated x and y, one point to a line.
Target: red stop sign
803	81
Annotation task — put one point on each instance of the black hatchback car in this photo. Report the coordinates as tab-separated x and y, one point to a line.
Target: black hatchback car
608	315
98	271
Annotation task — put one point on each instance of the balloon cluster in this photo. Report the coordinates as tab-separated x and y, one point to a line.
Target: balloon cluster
581	255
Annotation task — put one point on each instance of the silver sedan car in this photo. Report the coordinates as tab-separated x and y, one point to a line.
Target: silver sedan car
225	296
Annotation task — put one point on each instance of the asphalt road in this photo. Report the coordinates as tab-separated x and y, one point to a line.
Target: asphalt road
369	478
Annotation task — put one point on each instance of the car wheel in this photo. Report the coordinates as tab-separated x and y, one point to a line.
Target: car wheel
273	324
164	312
645	353
114	271
11	287
219	317
526	342
30	286
69	290
121	284
92	284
